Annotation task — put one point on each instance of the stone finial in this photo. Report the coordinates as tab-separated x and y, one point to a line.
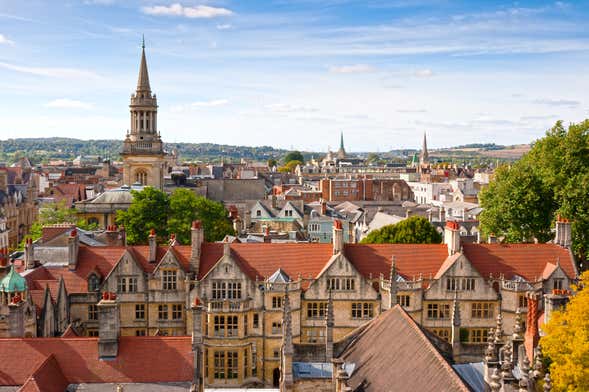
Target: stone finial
393	283
547	383
517	327
495	383
455	311
490	352
538	362
506	364
524	381
499	329
288	347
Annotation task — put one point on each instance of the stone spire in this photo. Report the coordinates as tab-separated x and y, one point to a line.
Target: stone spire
143	79
393	283
341	153
424	155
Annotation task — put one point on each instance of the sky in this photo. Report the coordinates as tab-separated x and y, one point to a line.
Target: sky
295	73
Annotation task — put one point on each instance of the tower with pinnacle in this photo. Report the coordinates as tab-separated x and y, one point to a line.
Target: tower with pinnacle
341	153
143	154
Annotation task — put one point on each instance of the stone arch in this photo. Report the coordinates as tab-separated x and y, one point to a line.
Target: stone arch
141	176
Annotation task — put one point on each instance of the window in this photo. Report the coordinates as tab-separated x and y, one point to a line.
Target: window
93	283
259	213
362	310
140	311
276	328
348	284
316	309
132	285
226	290
457	284
522	301
482	310
162	312
220	364
403	300
139	332
314	227
276	302
438	311
177	312
92	312
442	333
93	333
287	212
256	321
478	335
332	284
168	280
122	285
219	326
141	177
557	284
315	335
245	324
232	367
232	327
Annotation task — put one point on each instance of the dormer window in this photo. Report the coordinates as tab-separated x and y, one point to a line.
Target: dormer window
258	213
93	283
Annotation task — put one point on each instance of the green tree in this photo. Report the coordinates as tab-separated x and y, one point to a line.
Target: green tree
293	156
552	179
413	230
289	167
149	210
271	163
186	207
566	342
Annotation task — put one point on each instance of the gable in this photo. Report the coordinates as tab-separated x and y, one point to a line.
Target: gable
169	261
260	211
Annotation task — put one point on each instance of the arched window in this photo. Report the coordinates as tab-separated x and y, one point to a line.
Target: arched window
141	177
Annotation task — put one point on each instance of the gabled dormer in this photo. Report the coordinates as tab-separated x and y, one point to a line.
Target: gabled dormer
259	211
290	211
554	277
126	277
169	272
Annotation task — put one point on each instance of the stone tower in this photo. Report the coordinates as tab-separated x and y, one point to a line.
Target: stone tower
143	154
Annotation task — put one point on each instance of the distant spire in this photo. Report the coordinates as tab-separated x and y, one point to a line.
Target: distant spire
424	155
143	79
341	140
341	153
142	41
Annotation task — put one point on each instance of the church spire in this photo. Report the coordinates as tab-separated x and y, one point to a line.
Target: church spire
424	155
341	153
143	79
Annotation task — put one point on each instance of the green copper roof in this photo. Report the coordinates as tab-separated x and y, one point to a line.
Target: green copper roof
13	282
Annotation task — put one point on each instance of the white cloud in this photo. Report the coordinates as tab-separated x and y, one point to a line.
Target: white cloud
66	103
287	108
211	103
557	102
5	41
51	72
177	9
225	26
356	68
423	73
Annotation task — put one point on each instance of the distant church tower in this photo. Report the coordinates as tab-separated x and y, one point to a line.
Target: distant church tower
143	154
423	155
341	153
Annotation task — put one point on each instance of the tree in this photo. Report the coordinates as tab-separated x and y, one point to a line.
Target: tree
413	230
148	210
186	207
271	163
294	156
552	179
566	342
289	167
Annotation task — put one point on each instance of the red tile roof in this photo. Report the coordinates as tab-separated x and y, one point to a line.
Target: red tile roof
140	359
525	260
48	377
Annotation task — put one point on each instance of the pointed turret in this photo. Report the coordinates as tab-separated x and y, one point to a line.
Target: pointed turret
143	79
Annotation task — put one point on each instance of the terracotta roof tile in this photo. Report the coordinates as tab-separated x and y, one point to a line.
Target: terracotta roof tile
48	377
140	359
525	260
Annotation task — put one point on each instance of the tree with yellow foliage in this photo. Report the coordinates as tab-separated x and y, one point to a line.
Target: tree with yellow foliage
566	342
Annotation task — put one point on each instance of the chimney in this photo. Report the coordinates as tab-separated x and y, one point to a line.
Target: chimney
108	327
273	198
123	235
16	317
532	334
73	246
152	246
196	240
452	237
323	207
563	232
197	345
248	220
226	249
29	254
338	236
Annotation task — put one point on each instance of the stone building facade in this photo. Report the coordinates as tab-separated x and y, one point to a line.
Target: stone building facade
238	291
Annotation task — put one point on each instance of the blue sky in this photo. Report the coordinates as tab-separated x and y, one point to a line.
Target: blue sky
294	73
